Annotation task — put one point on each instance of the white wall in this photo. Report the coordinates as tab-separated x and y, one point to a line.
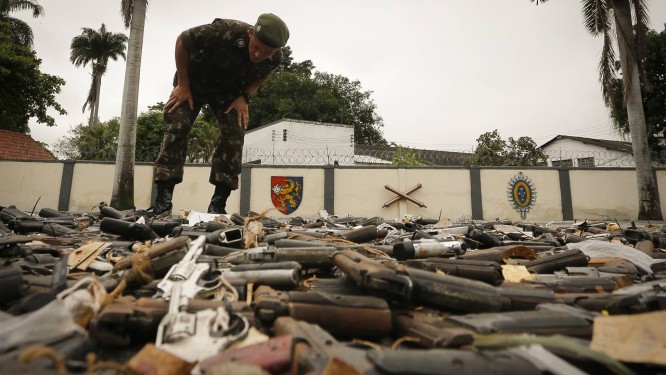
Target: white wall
308	143
562	149
358	191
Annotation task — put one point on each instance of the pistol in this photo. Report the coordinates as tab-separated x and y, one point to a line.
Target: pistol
486	271
374	276
129	321
308	257
343	316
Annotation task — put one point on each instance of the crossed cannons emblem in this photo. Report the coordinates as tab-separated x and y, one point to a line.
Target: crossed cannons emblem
405	195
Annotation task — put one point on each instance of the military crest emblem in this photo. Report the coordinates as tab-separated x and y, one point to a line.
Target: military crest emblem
522	194
286	193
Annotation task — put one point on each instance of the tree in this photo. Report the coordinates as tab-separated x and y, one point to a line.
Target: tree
89	142
150	129
25	91
134	16
99	142
653	92
96	47
406	156
605	17
295	91
492	150
20	31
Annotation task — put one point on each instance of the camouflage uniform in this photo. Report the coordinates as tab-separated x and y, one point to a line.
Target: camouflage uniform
220	69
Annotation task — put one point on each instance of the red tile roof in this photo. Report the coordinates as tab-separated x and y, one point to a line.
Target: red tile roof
22	147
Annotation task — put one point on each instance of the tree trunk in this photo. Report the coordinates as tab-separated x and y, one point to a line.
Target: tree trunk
98	90
122	196
94	105
648	197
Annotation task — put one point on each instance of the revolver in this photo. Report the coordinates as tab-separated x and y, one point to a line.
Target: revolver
195	277
197	336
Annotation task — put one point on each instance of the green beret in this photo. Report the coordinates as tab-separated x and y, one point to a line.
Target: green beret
271	30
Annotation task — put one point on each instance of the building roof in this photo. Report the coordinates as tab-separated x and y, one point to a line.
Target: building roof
21	146
605	143
426	157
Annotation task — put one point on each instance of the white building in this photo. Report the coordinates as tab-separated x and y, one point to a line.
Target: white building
298	142
569	151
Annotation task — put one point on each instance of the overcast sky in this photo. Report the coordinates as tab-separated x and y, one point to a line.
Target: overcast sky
442	72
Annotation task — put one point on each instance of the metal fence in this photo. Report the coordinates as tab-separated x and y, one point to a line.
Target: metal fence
405	157
370	155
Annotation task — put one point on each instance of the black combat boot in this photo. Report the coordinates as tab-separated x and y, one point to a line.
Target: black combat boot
218	202
162	205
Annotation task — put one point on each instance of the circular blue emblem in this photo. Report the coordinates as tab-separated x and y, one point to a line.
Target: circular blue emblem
521	194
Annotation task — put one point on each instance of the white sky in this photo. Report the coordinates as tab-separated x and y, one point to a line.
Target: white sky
442	72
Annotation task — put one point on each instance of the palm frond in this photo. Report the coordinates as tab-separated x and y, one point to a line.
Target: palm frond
91	96
126	9
21	31
625	39
19	5
607	67
98	46
596	16
642	19
537	1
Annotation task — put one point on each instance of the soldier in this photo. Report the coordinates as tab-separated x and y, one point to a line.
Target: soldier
221	64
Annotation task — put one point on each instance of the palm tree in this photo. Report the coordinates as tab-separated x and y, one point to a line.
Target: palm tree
22	32
608	17
134	16
96	47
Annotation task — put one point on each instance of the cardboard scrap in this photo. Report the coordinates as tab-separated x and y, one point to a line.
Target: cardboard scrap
84	255
515	274
632	338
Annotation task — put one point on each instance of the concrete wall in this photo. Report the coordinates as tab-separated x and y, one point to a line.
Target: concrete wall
452	192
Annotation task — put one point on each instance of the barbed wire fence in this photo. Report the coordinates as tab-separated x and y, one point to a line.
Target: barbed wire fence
361	155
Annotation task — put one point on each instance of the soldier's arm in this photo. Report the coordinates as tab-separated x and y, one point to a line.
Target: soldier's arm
181	93
241	105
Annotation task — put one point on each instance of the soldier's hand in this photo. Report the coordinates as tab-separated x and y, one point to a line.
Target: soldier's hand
242	111
179	95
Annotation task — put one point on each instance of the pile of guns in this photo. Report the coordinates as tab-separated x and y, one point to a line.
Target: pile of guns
112	292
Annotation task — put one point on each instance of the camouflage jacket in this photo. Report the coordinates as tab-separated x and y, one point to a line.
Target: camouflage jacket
220	60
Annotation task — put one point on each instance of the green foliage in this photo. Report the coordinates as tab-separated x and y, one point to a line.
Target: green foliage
406	156
296	91
89	143
492	150
150	129
25	91
202	141
653	94
19	30
100	142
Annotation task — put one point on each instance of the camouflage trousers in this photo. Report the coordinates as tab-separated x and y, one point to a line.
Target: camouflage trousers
228	154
